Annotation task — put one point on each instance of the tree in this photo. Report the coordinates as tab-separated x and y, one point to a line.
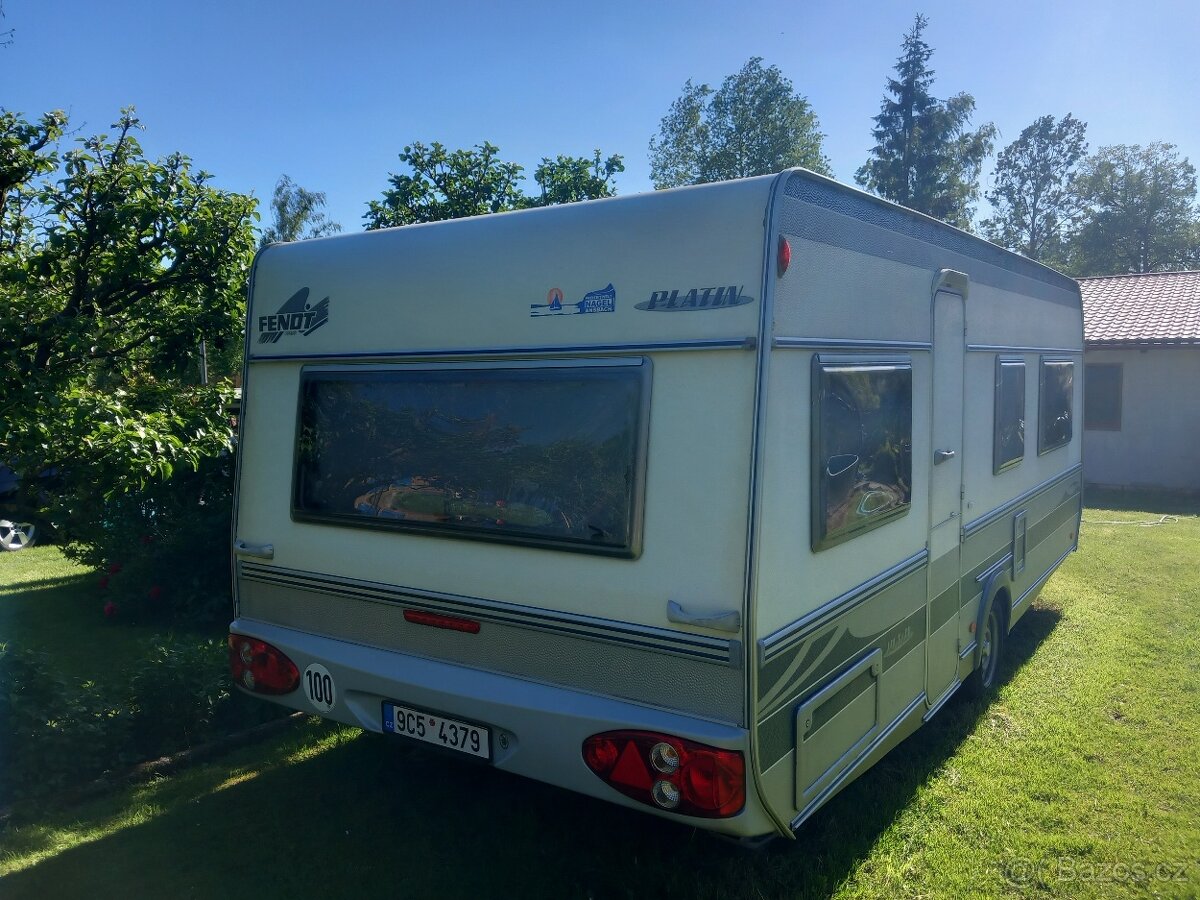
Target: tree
1139	212
475	182
296	214
113	268
755	124
6	36
1033	200
23	156
447	185
926	157
568	179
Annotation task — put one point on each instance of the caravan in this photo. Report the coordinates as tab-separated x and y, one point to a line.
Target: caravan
696	501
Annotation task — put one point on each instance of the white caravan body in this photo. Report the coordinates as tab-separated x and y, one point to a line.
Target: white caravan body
764	468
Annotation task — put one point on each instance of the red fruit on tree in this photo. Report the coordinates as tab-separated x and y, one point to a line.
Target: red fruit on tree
110	610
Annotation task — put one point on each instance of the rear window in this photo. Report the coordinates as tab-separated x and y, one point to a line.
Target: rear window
551	455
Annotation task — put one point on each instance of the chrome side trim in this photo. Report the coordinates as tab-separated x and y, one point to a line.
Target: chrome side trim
694	646
791	634
797	343
852	769
1001	563
743	343
1005	348
989	517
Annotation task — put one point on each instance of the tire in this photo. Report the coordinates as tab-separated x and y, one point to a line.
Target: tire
983	681
17	535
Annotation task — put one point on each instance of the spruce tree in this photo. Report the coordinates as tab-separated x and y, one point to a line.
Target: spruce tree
926	156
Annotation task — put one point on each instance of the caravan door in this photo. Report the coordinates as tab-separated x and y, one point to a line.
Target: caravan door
945	500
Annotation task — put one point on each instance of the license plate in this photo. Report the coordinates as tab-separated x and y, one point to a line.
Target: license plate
439	730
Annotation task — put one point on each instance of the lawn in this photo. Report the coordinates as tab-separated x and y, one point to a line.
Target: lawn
51	604
1080	779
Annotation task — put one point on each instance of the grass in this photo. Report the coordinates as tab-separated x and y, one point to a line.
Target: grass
1080	779
51	604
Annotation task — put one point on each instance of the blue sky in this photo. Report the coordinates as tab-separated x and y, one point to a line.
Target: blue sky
329	93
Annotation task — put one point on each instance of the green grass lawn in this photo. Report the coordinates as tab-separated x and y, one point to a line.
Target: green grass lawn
51	604
1080	779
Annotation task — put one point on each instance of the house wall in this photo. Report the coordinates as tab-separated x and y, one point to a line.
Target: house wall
1158	444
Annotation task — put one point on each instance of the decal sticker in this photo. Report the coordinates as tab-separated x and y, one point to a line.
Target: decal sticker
695	299
296	316
318	687
601	301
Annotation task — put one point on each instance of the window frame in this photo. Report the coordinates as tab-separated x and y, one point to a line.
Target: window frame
637	493
819	538
997	465
1043	367
1111	425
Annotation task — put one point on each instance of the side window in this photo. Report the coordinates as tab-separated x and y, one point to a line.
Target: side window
862	445
1055	415
1102	397
1008	436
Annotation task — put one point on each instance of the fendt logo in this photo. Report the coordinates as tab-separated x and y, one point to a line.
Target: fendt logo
294	317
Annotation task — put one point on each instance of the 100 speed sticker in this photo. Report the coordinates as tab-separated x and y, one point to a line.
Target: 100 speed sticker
319	687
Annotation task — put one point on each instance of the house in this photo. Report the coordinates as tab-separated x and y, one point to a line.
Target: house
1142	380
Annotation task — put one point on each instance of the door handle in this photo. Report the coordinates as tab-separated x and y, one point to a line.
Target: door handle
940	456
724	620
262	551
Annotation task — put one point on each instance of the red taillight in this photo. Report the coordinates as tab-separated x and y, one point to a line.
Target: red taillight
669	772
436	620
785	255
259	667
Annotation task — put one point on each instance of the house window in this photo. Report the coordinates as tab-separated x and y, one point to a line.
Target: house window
1055	413
1102	397
1008	437
550	455
862	445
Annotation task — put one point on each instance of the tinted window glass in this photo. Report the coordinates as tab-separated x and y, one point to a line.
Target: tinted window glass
1102	397
862	459
1056	417
1009	436
547	455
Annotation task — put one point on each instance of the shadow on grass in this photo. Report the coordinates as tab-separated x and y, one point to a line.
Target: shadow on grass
372	817
82	581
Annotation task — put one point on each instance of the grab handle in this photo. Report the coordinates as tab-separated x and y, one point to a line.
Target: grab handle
723	620
262	551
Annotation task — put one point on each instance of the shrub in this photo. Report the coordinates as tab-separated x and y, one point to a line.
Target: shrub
164	549
53	735
180	695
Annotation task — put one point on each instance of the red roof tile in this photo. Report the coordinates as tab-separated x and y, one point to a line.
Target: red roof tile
1159	308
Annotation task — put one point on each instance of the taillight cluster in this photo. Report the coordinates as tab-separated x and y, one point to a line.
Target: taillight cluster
669	772
259	667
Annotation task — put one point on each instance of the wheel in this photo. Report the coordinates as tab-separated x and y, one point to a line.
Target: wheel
991	642
17	535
